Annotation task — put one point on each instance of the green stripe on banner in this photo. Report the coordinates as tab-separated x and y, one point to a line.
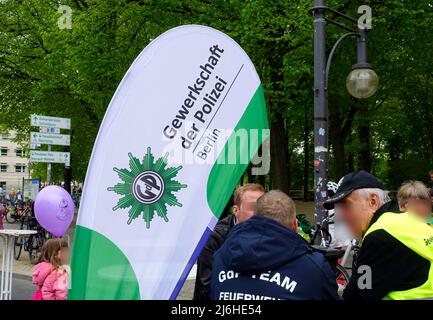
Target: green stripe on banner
101	270
228	169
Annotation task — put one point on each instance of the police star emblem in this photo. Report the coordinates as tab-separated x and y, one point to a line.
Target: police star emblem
147	187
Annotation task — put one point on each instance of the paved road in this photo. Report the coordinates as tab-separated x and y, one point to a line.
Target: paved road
22	288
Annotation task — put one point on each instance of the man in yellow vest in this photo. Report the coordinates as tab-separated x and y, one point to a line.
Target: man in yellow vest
396	257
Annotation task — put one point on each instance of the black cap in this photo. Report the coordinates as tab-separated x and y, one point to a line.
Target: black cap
350	182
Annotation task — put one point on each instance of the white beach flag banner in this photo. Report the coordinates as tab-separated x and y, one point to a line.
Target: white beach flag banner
164	165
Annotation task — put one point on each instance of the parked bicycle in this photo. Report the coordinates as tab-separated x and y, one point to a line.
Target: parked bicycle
12	213
33	243
321	239
320	234
16	211
352	250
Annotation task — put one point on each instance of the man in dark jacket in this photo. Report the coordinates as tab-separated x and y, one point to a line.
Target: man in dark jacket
244	199
395	261
265	259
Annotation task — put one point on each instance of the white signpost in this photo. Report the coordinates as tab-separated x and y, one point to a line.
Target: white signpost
49	134
50	138
50	122
50	157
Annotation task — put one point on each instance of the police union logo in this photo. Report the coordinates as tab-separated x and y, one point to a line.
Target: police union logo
147	188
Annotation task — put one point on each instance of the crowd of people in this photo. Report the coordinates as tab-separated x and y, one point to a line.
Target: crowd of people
257	253
11	197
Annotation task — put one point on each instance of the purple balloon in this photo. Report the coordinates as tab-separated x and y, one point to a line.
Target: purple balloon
54	209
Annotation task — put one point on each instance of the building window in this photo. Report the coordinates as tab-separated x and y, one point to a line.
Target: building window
20	153
4	151
5	136
20	167
3	167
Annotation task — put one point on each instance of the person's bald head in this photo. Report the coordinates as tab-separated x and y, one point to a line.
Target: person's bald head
278	206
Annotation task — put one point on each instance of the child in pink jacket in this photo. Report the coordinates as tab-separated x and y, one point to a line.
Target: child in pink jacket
51	274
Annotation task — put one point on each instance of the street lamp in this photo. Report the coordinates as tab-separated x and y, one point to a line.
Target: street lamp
362	82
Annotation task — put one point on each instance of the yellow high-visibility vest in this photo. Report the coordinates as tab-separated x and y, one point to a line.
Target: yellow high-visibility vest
417	236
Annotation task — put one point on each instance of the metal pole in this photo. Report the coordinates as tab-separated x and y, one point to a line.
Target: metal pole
361	50
10	266
7	265
3	274
49	168
320	112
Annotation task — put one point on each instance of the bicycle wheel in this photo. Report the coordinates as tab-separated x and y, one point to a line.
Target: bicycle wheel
10	216
18	246
34	247
342	277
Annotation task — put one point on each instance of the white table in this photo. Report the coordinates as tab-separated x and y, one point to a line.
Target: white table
8	236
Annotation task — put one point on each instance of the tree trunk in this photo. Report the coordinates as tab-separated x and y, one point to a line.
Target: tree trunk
339	154
350	162
279	154
250	177
68	178
339	128
262	180
365	160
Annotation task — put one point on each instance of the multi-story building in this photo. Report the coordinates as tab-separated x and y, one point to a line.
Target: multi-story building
14	165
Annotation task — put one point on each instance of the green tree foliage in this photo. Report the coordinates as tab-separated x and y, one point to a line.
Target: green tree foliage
74	72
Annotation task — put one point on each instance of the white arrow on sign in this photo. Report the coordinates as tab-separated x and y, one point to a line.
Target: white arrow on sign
48	138
51	122
50	157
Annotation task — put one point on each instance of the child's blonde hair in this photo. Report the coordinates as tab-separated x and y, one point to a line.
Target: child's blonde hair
412	190
50	251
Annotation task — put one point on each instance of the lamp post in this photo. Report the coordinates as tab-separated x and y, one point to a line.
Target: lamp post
361	83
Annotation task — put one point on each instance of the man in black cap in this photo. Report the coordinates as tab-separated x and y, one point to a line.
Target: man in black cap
396	257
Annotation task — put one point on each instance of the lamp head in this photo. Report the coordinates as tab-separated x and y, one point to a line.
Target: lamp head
362	82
